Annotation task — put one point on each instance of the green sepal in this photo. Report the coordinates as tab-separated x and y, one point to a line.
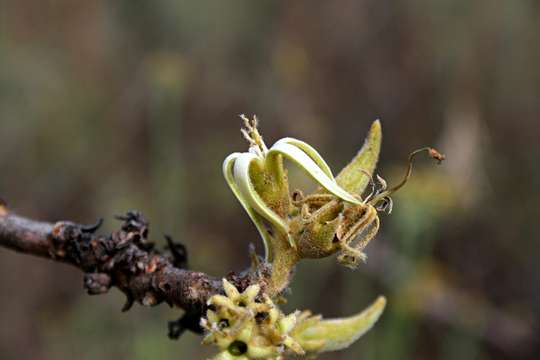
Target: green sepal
353	177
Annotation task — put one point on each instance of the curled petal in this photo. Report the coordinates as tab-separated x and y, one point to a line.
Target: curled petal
311	152
228	166
300	158
242	176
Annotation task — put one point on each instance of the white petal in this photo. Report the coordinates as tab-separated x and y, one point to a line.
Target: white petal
300	158
311	152
228	166
246	187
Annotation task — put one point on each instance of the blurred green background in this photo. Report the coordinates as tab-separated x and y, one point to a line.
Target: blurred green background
112	105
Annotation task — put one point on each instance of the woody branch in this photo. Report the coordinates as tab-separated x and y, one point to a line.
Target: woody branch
125	259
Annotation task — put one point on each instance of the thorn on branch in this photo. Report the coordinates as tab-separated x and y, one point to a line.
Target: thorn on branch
93	227
178	251
134	221
189	321
129	302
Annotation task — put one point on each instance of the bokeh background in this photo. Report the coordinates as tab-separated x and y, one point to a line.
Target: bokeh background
111	105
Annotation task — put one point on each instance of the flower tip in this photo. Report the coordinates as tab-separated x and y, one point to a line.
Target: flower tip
375	130
230	290
380	303
436	155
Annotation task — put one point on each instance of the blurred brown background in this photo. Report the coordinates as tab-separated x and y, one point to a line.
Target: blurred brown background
112	105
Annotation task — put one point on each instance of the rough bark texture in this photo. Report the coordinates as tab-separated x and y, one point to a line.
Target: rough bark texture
125	259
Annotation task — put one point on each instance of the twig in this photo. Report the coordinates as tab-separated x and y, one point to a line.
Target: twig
125	259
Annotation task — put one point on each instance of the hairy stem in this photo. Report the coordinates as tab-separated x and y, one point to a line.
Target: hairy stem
283	265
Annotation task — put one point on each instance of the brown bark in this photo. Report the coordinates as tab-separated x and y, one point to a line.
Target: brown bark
125	259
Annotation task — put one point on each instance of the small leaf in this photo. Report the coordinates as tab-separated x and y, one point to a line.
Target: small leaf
338	334
352	178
